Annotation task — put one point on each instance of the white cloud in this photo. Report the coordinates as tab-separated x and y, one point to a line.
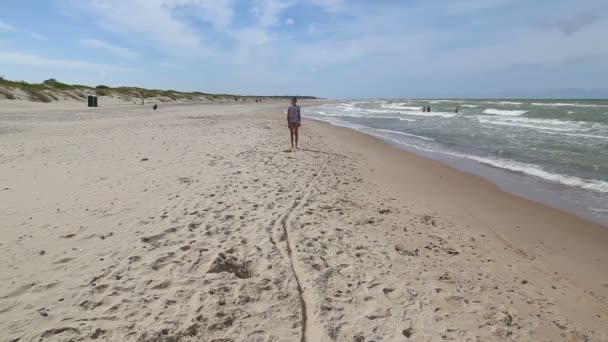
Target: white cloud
6	27
18	58
152	19
218	13
249	40
329	5
10	28
269	11
546	49
252	36
376	40
116	50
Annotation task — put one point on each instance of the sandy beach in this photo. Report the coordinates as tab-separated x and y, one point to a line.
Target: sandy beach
198	223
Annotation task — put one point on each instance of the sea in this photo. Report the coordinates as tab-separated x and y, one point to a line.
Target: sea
550	151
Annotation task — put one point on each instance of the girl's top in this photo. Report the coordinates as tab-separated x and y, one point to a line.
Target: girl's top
293	113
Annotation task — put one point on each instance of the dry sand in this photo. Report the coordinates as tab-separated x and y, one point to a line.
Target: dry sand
196	223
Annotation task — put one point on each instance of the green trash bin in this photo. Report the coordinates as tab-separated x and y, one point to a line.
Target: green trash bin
90	100
94	101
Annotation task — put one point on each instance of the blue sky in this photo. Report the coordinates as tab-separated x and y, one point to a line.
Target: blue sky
328	48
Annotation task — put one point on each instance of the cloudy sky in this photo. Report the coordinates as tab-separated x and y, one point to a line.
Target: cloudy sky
328	48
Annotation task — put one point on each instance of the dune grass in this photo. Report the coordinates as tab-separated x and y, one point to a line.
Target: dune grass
7	95
39	96
51	90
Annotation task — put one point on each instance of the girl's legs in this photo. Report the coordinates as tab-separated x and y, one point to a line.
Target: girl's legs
295	131
291	134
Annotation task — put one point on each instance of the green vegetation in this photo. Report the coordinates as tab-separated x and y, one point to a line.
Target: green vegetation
101	92
54	84
52	90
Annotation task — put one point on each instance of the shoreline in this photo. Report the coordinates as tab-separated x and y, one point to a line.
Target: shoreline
520	184
476	201
197	222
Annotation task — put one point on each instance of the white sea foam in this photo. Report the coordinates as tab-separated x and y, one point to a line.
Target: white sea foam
537	171
363	102
407	134
555	122
528	169
354	115
443	101
380	111
540	124
493	111
400	107
419	113
559	104
469	106
498	119
504	103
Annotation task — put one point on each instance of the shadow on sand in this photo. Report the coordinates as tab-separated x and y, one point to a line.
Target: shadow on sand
323	152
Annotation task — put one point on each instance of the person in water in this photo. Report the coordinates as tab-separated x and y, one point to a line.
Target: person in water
423	109
293	120
456	110
428	109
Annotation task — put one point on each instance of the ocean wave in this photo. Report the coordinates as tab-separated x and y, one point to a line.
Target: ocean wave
539	124
504	103
469	106
347	110
400	106
579	135
364	102
419	113
407	134
537	171
337	122
560	104
511	165
528	169
353	115
493	111
556	122
443	101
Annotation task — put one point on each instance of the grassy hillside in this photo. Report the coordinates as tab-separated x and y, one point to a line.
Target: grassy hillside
53	90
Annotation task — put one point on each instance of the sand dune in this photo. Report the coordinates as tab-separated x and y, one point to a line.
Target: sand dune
196	223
